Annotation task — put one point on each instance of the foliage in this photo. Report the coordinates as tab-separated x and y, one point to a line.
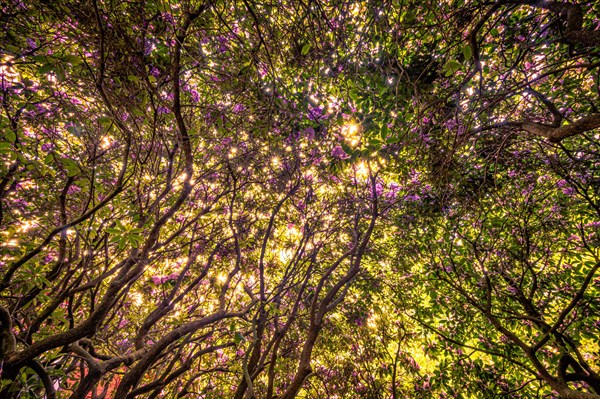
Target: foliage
370	199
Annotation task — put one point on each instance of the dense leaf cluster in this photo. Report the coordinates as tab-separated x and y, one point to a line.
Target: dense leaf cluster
342	198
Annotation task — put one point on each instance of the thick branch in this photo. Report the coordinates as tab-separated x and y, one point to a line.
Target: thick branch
557	134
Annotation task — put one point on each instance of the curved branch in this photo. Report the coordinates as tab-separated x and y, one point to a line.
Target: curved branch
557	134
46	380
554	134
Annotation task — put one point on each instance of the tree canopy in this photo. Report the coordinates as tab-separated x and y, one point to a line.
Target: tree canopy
299	199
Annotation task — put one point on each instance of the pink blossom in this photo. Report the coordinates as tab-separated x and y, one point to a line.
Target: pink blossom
157	280
262	71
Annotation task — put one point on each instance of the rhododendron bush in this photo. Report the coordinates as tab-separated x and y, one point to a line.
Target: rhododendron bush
345	199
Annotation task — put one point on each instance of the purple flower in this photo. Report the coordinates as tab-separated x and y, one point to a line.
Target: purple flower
20	203
124	344
73	190
47	147
301	205
223	44
225	142
451	124
339	153
158	280
425	137
570	191
315	113
163	110
392	191
412	198
310	133
31	43
154	72
237	108
148	47
195	96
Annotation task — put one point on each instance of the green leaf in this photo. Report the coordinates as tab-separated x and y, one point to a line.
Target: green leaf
49	158
347	149
83	183
5	147
392	140
71	166
238	337
305	49
10	136
135	243
74	130
60	74
451	67
384	131
467	52
46	68
42	59
105	120
73	59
